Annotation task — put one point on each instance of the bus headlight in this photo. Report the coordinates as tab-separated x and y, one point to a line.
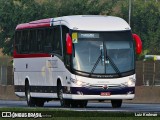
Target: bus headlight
79	83
129	83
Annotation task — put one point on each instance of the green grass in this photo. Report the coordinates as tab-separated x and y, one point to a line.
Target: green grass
58	114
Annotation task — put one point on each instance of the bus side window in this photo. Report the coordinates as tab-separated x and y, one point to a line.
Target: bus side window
57	40
25	39
65	30
48	46
40	40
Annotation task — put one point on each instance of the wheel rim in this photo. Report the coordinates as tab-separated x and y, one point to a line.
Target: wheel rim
61	96
28	96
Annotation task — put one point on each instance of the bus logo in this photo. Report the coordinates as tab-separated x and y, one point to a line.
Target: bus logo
105	87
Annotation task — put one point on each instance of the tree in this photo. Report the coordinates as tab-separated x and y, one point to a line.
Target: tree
7	24
14	12
145	21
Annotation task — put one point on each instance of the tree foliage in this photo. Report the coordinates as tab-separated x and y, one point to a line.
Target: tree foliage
145	18
145	21
14	12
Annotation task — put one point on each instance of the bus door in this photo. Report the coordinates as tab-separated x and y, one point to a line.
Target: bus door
55	50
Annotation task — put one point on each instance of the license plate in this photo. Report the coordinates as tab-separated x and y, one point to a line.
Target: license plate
105	93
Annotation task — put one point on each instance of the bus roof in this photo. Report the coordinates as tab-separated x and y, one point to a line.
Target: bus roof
34	24
81	22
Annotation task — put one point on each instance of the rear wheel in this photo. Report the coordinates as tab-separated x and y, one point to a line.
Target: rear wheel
63	102
116	103
30	100
39	102
79	103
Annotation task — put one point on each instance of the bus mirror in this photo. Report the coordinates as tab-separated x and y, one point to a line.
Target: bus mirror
138	43
68	44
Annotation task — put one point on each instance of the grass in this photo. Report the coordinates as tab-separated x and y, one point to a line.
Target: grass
58	114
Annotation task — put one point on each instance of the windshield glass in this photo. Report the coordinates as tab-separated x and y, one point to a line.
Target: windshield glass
103	52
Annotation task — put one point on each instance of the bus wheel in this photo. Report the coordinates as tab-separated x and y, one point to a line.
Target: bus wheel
74	103
83	103
79	103
39	102
116	103
63	102
30	100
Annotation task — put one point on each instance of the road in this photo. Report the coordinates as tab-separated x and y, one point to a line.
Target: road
92	106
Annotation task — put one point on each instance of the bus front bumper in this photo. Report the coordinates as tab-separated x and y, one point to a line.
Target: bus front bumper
98	97
82	93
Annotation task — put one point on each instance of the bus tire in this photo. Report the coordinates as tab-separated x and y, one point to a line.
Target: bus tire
63	102
74	103
79	103
83	103
30	100
116	103
39	102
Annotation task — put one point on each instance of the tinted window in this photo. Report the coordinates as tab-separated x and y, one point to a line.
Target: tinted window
67	58
57	40
25	42
42	40
32	41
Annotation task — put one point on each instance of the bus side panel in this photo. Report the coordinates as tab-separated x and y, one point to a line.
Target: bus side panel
19	86
39	75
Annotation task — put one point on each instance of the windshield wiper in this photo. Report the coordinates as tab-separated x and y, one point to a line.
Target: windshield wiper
114	65
95	65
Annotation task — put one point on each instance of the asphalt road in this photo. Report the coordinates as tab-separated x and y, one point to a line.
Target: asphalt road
92	106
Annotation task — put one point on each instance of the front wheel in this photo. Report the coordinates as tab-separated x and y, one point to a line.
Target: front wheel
116	103
63	102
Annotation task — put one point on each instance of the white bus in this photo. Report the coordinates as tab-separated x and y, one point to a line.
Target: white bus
75	59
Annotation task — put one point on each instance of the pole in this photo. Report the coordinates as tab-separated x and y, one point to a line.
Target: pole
129	21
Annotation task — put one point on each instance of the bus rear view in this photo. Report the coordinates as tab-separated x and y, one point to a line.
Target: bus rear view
77	58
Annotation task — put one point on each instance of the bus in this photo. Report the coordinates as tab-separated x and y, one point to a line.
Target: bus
75	59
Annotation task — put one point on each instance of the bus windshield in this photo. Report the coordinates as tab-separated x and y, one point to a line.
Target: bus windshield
103	52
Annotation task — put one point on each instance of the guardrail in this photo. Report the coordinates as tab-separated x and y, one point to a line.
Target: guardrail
148	73
6	72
